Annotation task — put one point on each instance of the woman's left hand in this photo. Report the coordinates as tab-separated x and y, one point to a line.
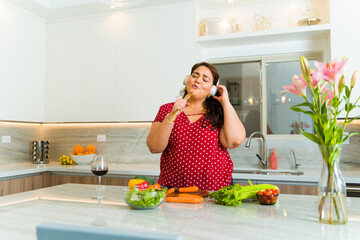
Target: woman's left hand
224	95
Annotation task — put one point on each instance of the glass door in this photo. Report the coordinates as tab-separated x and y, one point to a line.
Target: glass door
278	72
242	80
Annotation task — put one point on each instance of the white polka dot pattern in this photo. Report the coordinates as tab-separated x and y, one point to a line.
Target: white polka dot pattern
194	155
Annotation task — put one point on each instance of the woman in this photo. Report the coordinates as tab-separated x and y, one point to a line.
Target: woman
194	146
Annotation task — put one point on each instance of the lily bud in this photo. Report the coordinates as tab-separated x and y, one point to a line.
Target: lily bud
354	78
341	83
305	68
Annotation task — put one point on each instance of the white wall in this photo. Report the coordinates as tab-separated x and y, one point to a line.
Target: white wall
345	36
22	61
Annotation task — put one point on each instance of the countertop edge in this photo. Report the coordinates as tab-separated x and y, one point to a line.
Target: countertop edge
19	169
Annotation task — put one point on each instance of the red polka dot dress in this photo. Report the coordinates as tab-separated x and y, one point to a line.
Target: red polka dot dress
194	155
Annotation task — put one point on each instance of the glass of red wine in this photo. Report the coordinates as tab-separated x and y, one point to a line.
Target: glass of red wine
99	167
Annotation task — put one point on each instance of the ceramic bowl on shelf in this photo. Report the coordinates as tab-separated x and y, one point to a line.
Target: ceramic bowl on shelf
83	159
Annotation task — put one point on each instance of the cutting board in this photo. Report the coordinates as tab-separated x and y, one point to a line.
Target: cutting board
201	193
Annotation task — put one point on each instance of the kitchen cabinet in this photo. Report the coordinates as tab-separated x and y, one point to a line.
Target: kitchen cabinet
118	67
154	58
81	70
24	183
286	188
22	61
298	189
57	178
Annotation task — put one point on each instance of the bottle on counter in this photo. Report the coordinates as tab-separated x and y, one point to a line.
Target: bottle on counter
273	160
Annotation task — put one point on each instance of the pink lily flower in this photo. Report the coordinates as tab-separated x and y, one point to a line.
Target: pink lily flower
329	95
315	77
331	71
298	87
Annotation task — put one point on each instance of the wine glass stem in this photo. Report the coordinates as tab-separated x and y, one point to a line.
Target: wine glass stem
99	191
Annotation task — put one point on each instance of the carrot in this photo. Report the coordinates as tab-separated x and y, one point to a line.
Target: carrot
185	198
171	190
189	189
155	186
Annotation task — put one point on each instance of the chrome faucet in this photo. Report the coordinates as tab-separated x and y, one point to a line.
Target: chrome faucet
264	147
296	164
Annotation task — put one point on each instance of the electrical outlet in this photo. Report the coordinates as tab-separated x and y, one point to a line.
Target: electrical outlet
6	139
347	140
101	138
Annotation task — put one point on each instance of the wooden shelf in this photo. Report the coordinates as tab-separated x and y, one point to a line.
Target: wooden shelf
311	33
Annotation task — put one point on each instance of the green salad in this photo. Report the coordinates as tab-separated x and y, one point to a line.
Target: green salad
145	199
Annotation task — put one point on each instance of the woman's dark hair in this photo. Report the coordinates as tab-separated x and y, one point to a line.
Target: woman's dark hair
214	110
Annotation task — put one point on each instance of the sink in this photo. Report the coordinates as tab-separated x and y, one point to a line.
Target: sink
268	171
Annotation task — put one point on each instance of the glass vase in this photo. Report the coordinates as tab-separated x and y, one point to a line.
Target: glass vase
331	187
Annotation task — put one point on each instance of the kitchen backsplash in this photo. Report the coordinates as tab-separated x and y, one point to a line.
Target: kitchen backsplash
126	143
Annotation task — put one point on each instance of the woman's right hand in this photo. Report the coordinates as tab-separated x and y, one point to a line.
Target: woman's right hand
180	104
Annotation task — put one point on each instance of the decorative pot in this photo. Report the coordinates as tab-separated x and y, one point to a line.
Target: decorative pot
331	187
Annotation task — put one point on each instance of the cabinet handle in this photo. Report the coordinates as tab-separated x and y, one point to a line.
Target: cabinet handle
353	189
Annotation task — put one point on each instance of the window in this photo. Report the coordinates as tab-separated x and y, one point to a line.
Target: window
254	87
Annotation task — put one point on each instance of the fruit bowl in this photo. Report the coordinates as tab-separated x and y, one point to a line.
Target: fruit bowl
143	200
267	199
83	159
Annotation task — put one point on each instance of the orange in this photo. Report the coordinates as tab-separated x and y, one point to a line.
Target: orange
90	148
78	149
87	153
80	153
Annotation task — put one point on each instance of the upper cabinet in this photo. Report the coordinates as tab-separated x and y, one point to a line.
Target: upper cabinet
81	70
118	67
22	61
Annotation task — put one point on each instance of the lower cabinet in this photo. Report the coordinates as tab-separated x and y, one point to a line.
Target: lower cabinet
294	188
298	189
57	179
24	183
40	180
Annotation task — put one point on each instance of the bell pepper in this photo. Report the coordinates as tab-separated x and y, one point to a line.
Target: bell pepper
134	182
142	186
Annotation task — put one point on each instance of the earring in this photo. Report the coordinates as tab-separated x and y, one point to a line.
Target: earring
208	95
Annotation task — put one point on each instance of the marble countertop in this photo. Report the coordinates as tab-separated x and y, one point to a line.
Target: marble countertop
292	217
18	169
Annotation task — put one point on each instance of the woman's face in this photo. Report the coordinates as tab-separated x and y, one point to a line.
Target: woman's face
200	82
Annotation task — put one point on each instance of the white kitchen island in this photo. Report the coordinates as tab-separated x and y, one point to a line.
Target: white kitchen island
293	216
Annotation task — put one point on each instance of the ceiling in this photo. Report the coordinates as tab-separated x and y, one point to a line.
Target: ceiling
53	10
